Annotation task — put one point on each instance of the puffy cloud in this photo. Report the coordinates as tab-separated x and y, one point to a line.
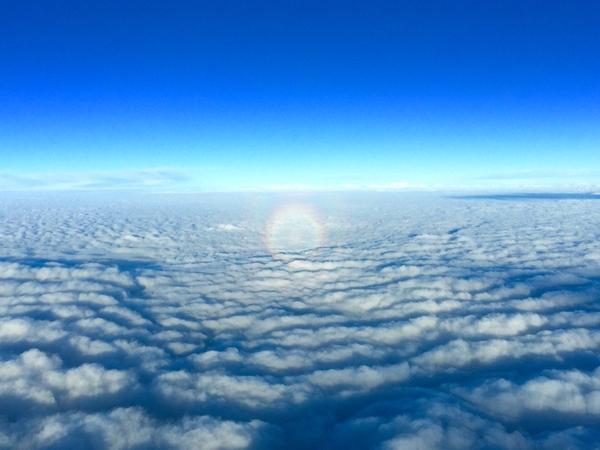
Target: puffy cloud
164	322
37	378
571	394
125	428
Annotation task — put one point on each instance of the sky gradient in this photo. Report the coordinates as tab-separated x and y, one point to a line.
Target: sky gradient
234	95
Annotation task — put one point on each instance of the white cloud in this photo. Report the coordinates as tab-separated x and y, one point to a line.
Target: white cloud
421	322
136	179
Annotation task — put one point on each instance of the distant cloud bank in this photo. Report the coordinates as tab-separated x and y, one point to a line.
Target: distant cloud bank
202	180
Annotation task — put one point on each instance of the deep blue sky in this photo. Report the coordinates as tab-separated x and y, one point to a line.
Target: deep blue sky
227	95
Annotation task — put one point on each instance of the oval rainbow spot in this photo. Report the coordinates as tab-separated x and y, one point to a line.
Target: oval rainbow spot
294	228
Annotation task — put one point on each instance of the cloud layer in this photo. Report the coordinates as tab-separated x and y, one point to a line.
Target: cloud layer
421	322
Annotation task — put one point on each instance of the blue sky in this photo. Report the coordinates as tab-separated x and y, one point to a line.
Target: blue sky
240	95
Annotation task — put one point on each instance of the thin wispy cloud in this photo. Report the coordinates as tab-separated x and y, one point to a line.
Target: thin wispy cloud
143	179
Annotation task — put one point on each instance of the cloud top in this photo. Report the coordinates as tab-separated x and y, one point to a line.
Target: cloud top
416	322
